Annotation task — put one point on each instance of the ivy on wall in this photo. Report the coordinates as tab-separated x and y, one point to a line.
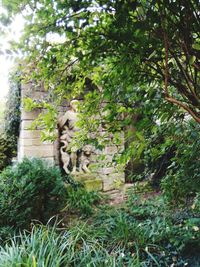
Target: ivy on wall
12	110
11	121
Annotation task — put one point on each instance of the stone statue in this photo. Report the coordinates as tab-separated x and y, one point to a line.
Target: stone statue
69	153
86	152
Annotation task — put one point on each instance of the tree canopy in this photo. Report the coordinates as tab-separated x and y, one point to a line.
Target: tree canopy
116	45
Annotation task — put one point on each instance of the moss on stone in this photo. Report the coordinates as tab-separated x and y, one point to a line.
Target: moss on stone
93	185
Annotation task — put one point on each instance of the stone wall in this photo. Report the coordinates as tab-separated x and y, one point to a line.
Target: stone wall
105	173
29	143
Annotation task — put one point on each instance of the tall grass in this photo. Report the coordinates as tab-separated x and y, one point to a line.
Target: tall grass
47	247
41	247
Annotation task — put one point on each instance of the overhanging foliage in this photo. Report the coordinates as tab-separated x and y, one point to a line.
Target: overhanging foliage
116	44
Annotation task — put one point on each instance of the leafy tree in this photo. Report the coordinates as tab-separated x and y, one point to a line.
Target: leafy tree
115	44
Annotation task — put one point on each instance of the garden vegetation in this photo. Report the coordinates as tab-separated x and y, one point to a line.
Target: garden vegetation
140	60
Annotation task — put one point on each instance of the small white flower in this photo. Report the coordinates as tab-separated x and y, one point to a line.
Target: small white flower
195	228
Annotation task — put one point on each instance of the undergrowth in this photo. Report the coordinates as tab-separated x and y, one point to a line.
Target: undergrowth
143	232
81	202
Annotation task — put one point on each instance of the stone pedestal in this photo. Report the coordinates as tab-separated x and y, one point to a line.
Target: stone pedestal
90	181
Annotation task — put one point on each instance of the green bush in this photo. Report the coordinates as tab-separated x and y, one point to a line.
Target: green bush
182	181
31	190
6	151
81	201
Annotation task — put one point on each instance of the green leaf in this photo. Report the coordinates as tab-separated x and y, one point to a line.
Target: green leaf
192	60
196	46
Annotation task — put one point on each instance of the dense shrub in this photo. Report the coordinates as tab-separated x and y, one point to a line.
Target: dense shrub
183	176
80	201
6	151
30	190
171	158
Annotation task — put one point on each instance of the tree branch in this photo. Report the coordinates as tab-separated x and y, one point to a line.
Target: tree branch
185	107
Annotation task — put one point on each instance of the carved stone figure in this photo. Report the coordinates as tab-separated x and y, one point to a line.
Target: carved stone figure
69	153
85	158
67	124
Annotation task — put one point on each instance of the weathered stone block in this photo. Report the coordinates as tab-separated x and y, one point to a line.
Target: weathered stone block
33	142
90	181
119	176
108	184
31	115
26	124
44	151
35	95
30	134
110	150
113	181
56	147
108	170
32	87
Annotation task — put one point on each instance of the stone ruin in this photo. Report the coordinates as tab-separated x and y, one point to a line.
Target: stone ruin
93	167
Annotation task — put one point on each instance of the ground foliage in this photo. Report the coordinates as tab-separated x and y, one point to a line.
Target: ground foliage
79	201
142	232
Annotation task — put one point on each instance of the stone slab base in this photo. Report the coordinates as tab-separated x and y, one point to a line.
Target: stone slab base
90	181
93	185
99	182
